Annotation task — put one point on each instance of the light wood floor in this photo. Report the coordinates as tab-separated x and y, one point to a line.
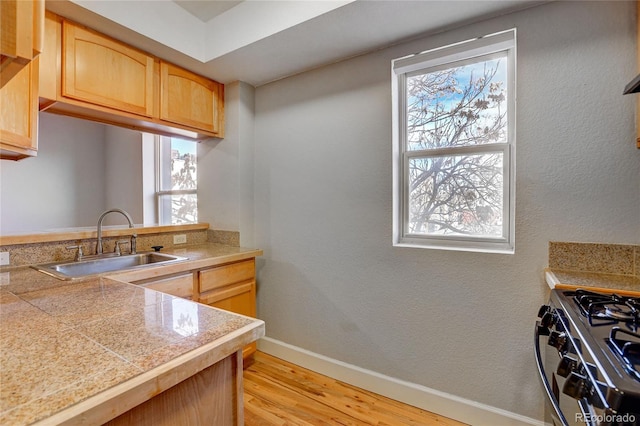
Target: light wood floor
279	393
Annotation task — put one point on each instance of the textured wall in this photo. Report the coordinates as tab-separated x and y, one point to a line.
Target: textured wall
82	169
63	186
331	282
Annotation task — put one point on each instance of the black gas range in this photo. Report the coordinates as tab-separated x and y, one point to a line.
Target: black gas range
587	348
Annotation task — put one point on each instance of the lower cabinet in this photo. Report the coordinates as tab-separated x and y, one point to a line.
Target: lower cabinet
181	285
211	397
231	286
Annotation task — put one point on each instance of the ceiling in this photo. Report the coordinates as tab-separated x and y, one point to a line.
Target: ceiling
259	41
206	10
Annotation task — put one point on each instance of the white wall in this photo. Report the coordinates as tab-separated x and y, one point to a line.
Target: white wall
225	168
63	186
82	169
330	281
123	174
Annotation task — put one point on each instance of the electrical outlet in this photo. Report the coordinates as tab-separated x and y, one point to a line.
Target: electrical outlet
4	258
179	239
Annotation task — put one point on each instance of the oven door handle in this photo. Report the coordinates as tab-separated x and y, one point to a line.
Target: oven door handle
545	382
587	415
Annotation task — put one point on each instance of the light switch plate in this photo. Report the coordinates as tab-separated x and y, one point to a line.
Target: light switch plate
4	258
179	239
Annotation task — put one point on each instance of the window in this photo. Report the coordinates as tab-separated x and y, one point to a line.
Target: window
454	146
176	181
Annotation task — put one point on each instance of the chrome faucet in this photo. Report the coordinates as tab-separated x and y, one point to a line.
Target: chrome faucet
125	214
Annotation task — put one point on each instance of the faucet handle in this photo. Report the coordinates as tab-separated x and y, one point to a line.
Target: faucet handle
116	249
133	246
79	253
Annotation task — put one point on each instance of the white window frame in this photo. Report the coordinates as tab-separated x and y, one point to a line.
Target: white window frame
504	41
165	218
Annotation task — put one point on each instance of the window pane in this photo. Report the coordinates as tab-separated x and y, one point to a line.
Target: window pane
456	195
184	174
182	208
460	106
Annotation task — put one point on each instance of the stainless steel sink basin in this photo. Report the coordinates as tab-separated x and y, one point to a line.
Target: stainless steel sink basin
102	264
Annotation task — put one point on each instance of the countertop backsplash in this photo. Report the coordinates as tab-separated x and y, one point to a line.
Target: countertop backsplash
618	259
44	252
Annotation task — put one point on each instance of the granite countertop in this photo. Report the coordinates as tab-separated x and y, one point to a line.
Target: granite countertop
594	266
66	347
627	285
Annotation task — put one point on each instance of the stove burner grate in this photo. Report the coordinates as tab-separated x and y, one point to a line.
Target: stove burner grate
628	348
608	308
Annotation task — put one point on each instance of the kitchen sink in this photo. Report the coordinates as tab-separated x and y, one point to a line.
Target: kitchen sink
107	263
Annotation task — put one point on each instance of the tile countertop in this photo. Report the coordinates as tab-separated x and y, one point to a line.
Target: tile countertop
625	285
69	347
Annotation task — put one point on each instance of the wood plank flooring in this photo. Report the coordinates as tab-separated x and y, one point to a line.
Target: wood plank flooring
280	393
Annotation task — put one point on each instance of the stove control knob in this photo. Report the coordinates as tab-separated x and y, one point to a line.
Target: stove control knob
558	340
548	320
576	386
567	366
543	310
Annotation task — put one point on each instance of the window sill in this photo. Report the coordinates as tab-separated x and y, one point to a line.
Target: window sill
497	248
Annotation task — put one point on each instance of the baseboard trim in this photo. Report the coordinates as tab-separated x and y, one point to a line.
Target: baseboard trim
444	404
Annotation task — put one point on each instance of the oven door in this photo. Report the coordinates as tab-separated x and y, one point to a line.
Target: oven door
547	359
564	409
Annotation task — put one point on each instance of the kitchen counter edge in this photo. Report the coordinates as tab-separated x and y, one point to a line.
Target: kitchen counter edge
625	285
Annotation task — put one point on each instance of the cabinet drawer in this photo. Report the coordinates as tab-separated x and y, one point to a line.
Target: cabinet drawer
221	276
181	286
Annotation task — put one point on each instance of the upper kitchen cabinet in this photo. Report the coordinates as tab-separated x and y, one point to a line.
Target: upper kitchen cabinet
189	99
19	114
21	35
88	75
102	71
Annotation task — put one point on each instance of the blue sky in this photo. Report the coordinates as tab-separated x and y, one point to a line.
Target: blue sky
184	146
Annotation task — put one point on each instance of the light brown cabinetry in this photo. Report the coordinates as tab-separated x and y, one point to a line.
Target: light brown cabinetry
102	71
21	41
189	99
88	75
19	114
212	396
21	35
180	285
231	287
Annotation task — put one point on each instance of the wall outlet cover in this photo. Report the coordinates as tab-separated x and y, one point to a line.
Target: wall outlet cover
4	258
179	239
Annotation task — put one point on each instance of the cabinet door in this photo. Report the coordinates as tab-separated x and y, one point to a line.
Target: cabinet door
19	114
181	285
21	35
231	287
237	298
102	71
189	99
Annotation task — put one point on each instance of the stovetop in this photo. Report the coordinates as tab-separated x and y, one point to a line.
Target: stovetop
608	327
609	309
